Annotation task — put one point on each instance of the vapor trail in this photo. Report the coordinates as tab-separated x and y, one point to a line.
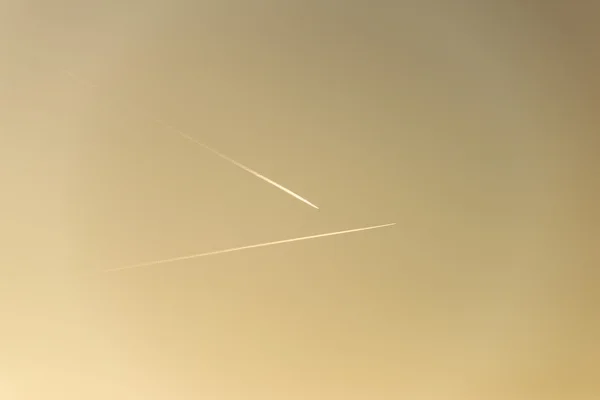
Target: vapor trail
247	169
214	151
254	246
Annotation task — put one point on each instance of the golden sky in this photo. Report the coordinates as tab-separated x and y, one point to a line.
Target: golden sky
472	125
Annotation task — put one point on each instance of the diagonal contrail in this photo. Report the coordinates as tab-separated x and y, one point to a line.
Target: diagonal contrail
214	151
247	169
254	246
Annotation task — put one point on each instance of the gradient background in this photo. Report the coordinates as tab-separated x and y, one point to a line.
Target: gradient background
474	125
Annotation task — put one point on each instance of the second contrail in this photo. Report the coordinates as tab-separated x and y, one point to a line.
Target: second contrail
245	168
212	150
253	246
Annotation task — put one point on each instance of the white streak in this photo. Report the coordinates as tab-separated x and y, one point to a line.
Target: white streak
214	151
247	169
254	246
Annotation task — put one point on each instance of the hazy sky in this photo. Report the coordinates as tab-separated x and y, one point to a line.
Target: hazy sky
472	125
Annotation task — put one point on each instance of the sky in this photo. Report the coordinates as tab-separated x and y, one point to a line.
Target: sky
472	126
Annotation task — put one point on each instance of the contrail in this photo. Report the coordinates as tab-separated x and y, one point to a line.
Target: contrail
214	151
254	246
247	169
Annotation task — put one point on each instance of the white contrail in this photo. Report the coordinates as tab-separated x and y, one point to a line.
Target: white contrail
254	246
247	169
214	151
